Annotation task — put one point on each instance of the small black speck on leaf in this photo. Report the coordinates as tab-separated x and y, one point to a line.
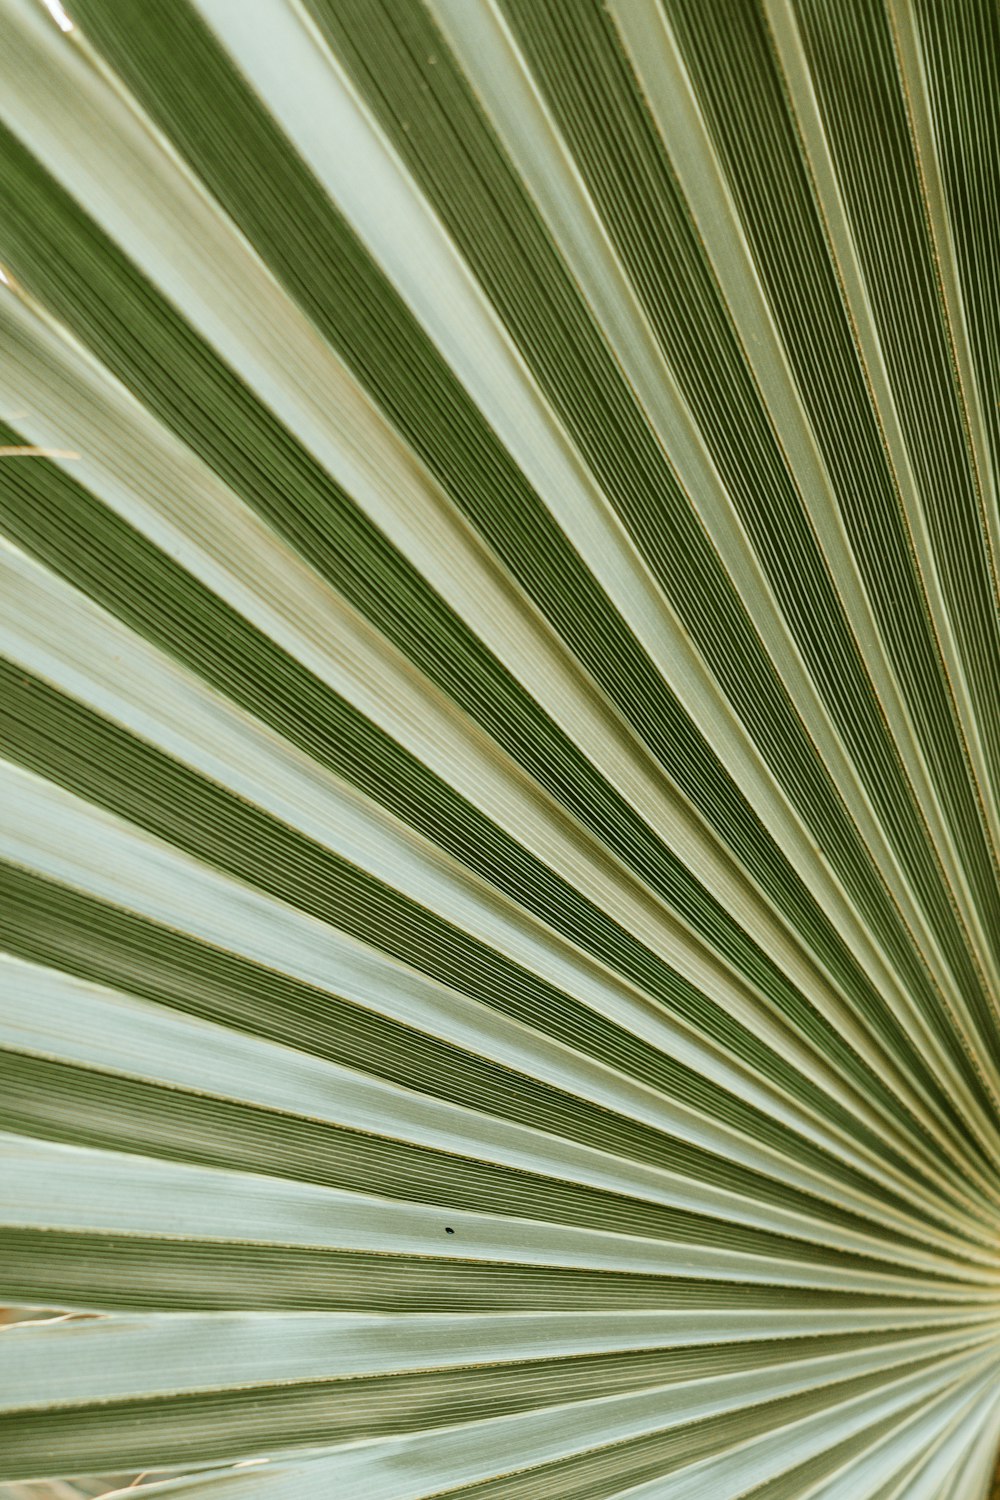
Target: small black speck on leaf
448	1229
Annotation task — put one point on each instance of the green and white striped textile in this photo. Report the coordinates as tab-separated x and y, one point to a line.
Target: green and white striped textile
500	699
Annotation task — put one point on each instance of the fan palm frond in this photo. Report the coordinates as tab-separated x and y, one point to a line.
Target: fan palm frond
501	717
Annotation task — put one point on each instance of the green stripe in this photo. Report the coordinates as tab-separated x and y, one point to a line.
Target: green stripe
141	1434
120	1272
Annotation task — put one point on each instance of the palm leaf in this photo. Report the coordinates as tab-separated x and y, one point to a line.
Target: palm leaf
501	727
